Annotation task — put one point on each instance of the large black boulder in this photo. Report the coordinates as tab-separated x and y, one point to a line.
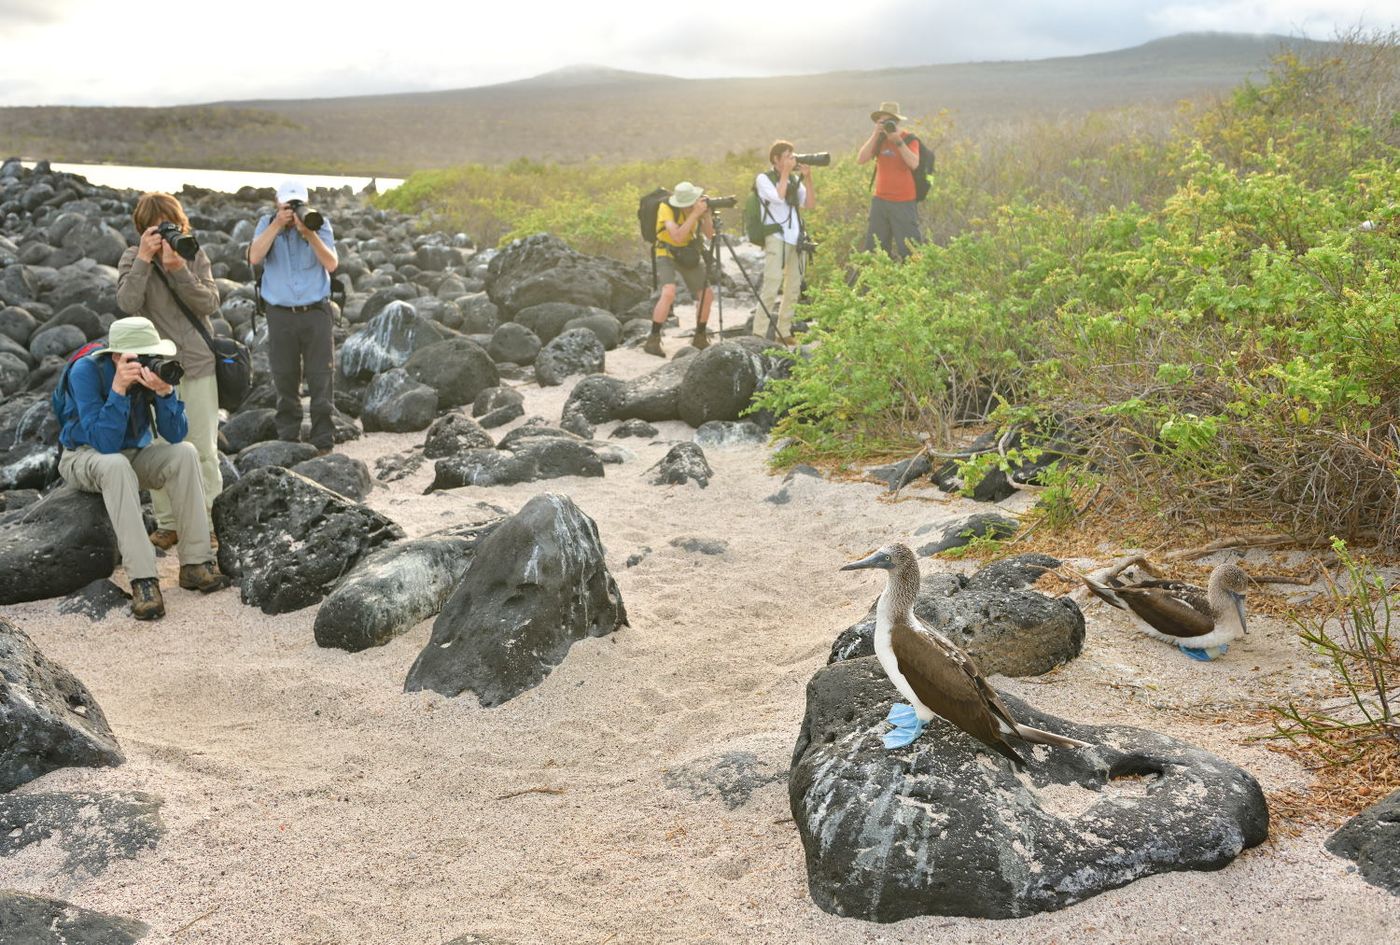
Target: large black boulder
396	403
543	268
28	442
1006	629
532	459
387	341
283	453
594	399
576	351
548	320
55	546
48	719
538	583
515	343
398	586
39	920
288	541
719	383
458	369
654	396
1372	840
452	433
339	473
944	827
959	533
91	830
243	429
684	462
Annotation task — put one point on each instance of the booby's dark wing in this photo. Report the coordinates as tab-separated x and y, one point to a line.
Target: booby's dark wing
948	682
1178	610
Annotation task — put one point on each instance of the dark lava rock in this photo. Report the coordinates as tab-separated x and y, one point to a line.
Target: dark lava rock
247	427
730	778
727	433
397	587
396	403
547	321
996	484
629	428
542	269
28	442
12	500
701	546
603	324
281	453
945	828
387	341
1006	630
92	830
900	474
719	383
452	433
683	463
538	583
288	541
1372	840
595	398
398	466
39	920
535	426
1012	573
57	341
96	600
458	369
338	473
501	416
578	426
494	398
55	546
515	343
576	351
958	534
479	314
534	458
48	720
654	396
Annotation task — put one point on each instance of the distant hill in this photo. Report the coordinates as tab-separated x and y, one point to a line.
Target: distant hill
591	113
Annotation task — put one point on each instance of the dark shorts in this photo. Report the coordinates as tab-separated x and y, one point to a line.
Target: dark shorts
694	276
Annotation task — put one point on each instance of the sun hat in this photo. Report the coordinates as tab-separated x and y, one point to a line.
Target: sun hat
137	335
290	190
685	195
887	108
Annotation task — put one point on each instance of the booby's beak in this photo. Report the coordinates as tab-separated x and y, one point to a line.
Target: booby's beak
878	560
1238	601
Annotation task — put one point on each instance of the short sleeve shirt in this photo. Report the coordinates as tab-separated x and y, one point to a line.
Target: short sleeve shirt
292	275
894	180
666	213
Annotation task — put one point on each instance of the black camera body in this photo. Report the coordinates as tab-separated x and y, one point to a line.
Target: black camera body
722	203
816	159
168	370
889	125
183	243
309	216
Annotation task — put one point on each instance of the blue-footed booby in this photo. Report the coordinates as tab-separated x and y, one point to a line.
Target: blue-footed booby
1200	623
933	673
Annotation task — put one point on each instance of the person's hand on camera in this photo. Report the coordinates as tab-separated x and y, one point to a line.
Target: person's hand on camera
702	206
284	217
786	162
805	170
128	373
169	259
150	245
302	228
151	380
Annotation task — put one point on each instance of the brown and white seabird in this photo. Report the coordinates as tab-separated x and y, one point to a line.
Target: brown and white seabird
933	673
1200	623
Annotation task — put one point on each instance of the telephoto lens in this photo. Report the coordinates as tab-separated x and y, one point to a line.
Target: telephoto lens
183	243
722	203
310	217
819	159
167	369
889	126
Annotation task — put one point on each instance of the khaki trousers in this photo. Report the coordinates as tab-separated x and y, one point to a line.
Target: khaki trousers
120	477
782	265
201	400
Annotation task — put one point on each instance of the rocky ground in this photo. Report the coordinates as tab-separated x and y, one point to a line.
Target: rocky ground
619	782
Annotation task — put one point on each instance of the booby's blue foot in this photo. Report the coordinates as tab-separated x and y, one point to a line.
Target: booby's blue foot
907	726
1204	655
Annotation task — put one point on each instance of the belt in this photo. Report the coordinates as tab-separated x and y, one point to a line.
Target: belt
301	308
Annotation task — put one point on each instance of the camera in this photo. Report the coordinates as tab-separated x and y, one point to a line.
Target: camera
806	245
180	241
722	203
889	125
819	159
167	369
309	216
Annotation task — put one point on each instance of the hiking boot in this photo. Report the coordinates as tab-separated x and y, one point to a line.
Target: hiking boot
146	602
701	339
787	341
204	578
653	345
165	538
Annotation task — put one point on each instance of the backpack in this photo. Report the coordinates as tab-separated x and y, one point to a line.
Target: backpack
921	171
646	213
62	397
755	212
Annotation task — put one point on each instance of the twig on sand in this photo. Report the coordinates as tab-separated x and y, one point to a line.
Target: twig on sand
1223	544
541	789
611	936
199	918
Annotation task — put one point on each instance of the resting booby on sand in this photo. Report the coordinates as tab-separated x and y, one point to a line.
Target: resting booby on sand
933	673
1201	623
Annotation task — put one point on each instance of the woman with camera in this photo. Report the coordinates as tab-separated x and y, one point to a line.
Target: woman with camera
174	289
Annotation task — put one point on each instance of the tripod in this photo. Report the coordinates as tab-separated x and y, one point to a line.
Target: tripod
722	237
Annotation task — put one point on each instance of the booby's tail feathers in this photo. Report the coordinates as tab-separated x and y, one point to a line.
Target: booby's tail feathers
1038	736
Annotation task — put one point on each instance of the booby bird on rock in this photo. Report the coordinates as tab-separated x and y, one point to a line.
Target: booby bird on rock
1201	623
933	673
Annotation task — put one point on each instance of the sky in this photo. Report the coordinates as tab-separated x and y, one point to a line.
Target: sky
113	52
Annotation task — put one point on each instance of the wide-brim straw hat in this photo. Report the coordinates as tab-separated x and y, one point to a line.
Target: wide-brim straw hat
890	109
137	336
685	195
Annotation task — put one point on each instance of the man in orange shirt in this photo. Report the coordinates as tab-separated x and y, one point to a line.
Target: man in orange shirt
894	211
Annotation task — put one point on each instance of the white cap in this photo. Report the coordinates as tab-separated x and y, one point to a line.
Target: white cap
290	190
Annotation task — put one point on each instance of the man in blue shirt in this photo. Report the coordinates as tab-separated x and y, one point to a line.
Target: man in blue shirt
296	286
108	449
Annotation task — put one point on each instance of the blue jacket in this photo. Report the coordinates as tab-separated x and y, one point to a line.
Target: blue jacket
105	420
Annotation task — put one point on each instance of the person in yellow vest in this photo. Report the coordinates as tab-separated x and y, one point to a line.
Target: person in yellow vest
680	255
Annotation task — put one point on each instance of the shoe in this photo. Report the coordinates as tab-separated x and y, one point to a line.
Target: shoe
165	538
204	578
146	602
653	345
787	341
701	339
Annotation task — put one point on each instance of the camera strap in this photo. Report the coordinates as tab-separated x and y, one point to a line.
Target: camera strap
194	320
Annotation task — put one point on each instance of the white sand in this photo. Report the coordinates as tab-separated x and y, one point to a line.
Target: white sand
309	800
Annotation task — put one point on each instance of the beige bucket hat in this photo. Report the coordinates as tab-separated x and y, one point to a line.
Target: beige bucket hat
137	336
685	195
890	109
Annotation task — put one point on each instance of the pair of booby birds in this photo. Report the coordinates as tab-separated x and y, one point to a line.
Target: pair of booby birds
1200	623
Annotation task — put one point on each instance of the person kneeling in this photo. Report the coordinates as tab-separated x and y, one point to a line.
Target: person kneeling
109	449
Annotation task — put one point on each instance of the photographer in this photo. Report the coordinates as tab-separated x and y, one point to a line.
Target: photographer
153	280
112	398
894	208
781	195
680	255
297	250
